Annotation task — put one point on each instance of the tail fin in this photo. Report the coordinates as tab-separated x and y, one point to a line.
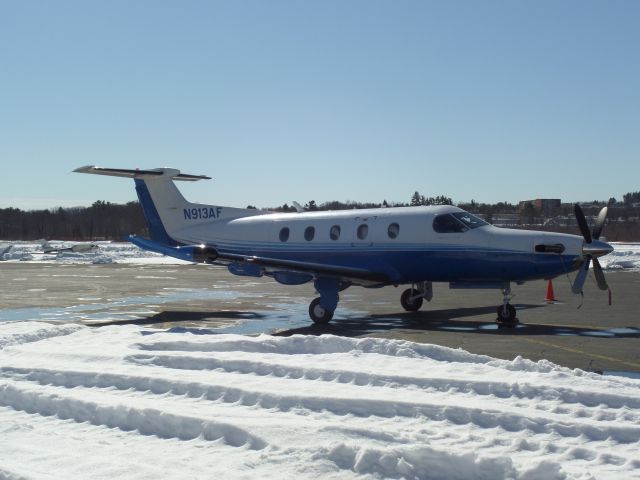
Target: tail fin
166	211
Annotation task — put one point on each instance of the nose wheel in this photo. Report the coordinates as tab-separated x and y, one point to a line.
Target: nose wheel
507	315
506	311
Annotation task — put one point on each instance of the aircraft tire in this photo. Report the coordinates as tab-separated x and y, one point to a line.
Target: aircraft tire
507	317
318	313
410	305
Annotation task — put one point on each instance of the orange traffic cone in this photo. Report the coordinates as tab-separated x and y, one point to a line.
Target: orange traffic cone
550	298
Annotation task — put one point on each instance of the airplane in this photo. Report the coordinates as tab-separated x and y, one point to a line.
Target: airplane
76	248
371	248
4	253
10	252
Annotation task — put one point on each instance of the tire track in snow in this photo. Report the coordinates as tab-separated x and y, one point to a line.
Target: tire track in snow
297	345
6	474
17	333
499	389
297	396
117	414
324	344
429	463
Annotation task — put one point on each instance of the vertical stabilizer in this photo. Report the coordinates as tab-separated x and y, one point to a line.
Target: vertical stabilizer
167	213
157	232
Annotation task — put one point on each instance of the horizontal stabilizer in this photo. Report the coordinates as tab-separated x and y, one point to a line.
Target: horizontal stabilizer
137	173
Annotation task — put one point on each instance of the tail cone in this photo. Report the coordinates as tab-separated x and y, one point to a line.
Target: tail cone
550	298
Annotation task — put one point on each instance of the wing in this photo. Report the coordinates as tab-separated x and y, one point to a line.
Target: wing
351	274
265	265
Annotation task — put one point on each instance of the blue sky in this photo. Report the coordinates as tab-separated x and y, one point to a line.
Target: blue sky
331	100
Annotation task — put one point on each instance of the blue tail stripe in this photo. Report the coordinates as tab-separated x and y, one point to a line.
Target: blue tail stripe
156	228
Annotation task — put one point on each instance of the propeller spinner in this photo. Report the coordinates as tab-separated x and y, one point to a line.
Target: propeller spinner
591	250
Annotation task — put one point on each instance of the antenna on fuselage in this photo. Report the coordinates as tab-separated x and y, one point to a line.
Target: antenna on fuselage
298	207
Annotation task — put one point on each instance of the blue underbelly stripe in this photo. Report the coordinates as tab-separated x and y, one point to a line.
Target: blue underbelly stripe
435	264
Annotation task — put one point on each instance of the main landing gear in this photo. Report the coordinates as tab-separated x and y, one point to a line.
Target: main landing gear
412	298
506	311
318	313
322	308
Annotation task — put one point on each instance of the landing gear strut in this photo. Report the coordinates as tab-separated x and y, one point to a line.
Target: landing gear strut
412	298
321	309
506	311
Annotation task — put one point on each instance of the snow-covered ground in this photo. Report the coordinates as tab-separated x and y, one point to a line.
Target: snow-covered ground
108	252
129	402
134	402
626	256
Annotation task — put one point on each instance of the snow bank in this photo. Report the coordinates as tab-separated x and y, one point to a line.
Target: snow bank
625	256
128	402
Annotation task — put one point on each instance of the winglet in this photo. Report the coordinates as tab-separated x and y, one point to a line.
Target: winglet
137	173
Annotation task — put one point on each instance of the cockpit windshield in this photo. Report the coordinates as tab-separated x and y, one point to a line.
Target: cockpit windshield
469	220
456	222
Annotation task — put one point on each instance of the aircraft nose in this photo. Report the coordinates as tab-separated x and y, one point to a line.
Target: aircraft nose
597	248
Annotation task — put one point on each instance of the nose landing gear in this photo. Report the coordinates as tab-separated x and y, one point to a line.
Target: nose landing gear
506	311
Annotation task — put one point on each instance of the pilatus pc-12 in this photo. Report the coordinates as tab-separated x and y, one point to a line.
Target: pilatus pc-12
372	248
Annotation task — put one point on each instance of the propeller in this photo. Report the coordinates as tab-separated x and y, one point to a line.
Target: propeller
591	250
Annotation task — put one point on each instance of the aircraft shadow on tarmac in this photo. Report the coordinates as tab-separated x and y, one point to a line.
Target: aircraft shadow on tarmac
452	320
180	316
445	320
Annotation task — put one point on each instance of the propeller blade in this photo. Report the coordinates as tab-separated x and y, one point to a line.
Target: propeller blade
597	228
597	271
582	223
581	277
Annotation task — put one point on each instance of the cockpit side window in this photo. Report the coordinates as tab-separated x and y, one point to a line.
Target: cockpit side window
456	222
447	223
469	220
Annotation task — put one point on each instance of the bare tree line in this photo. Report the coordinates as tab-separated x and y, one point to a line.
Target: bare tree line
110	221
102	220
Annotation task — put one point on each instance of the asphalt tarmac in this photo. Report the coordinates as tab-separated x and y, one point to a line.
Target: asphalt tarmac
588	334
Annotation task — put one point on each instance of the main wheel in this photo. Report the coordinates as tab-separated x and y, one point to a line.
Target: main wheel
507	315
409	303
318	313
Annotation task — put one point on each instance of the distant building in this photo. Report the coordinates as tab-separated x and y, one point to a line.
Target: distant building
545	207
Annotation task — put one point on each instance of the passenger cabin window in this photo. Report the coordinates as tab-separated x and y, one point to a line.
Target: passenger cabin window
334	233
309	233
393	230
456	222
284	234
363	231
